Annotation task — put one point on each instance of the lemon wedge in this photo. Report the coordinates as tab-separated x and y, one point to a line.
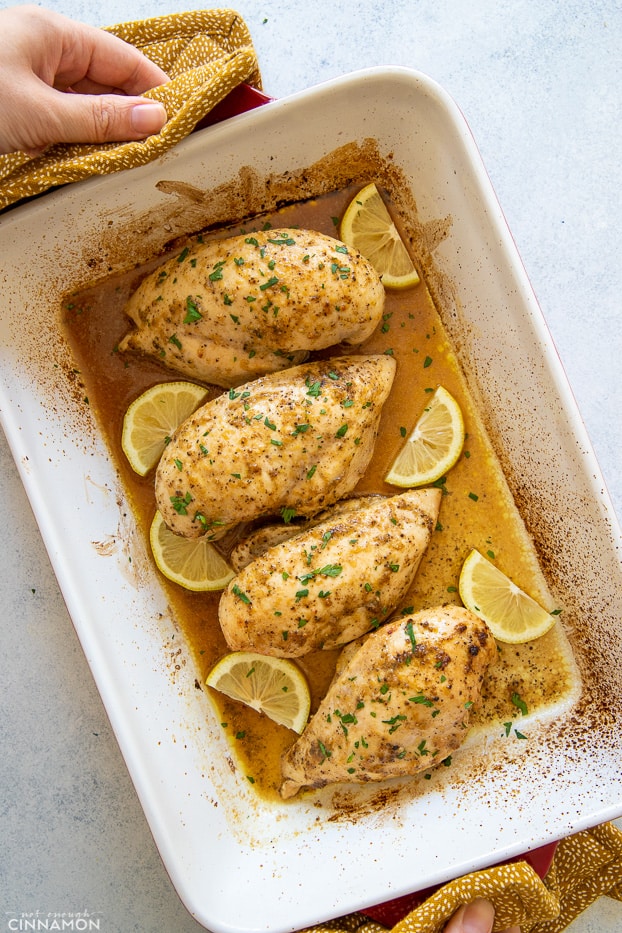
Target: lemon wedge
434	445
367	226
153	417
512	615
273	686
193	563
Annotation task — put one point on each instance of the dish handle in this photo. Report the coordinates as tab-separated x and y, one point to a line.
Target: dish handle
240	100
391	912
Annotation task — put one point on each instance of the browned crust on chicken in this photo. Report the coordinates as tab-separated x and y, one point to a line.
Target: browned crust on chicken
400	705
333	582
298	440
229	310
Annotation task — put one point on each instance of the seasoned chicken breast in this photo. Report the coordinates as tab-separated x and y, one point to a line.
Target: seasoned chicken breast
229	310
331	583
257	541
291	442
400	704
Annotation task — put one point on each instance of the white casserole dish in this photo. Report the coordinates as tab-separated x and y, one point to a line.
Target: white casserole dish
238	862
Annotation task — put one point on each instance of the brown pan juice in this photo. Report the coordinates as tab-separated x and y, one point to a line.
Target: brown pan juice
477	510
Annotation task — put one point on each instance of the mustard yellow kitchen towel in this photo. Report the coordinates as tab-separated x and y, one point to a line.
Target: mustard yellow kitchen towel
586	866
206	53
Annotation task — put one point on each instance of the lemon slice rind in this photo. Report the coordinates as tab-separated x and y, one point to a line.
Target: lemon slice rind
367	226
434	445
193	563
512	615
273	686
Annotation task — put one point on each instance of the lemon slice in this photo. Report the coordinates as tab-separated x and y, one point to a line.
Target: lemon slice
512	615
273	686
194	563
367	226
152	418
434	445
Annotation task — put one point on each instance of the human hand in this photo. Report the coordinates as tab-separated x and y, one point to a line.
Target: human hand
477	917
63	81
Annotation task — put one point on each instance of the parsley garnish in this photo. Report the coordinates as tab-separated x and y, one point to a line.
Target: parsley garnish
330	570
241	594
192	312
313	388
283	240
395	722
181	503
216	275
420	698
271	281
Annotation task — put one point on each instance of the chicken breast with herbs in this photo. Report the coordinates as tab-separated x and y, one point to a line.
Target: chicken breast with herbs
333	582
290	443
400	703
259	539
226	311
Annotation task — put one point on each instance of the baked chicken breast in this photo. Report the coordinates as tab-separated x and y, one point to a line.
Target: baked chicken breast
228	310
265	536
290	443
401	701
333	582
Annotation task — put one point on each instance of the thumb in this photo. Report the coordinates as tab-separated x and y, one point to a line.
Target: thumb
477	917
100	118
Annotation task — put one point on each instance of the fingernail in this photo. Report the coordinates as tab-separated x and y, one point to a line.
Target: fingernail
148	118
478	917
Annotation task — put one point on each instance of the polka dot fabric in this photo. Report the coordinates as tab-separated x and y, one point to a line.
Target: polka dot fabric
586	866
206	53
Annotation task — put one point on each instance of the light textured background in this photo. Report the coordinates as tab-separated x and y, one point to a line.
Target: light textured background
539	82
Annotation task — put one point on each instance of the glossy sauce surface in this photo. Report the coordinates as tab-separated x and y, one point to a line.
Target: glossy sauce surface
477	509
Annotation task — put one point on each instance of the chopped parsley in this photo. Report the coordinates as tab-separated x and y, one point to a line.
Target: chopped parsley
241	594
181	503
192	312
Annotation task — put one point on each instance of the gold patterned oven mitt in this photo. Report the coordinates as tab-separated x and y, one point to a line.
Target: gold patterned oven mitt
206	53
585	867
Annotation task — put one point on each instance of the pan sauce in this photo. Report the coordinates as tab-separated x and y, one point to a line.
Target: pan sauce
477	509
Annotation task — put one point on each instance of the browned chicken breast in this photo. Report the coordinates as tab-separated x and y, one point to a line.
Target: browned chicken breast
400	704
331	583
291	442
229	310
257	541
